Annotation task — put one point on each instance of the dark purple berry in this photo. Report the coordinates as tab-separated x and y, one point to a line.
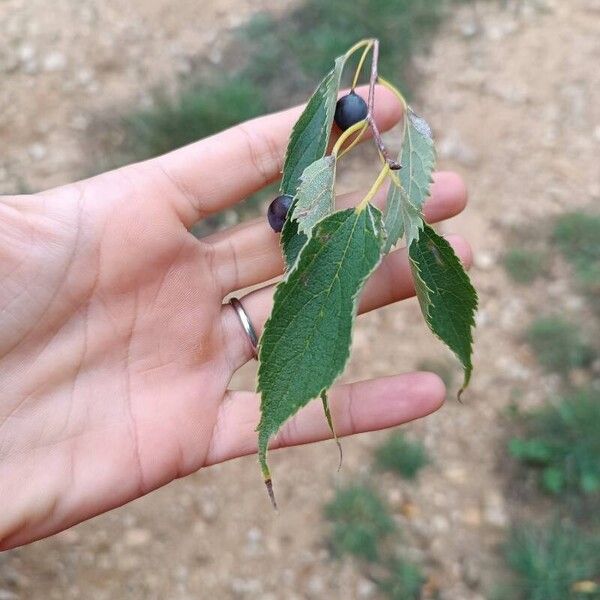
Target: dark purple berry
278	210
349	110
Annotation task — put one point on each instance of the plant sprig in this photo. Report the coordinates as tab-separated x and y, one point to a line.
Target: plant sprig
331	253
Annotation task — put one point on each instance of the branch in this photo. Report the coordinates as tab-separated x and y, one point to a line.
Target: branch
393	164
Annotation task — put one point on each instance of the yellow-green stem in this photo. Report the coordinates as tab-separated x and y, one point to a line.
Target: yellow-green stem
342	139
361	62
355	140
374	188
358	46
394	90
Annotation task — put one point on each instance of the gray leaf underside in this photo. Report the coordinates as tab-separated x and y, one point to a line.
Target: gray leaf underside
403	216
315	198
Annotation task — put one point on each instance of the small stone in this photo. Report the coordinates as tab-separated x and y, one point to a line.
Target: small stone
365	588
137	537
37	151
254	535
469	28
54	62
394	497
484	260
26	53
440	523
84	76
315	586
456	474
495	511
209	510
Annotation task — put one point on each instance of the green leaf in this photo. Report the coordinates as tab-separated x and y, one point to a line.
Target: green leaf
327	412
308	143
315	198
401	218
403	215
417	159
306	341
447	298
292	241
311	132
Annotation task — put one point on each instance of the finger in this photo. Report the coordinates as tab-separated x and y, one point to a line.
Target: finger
250	253
355	408
216	172
391	282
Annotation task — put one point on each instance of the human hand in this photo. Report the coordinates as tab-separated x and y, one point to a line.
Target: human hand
116	347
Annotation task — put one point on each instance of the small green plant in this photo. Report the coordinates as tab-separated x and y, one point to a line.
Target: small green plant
558	344
403	582
557	562
194	114
360	523
523	266
563	442
362	526
401	456
578	237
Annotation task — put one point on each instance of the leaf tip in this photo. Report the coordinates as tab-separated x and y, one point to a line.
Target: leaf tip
269	486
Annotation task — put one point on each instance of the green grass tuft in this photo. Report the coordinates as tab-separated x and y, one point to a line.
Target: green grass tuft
404	581
401	456
558	345
563	443
196	113
578	237
360	522
524	266
557	562
273	62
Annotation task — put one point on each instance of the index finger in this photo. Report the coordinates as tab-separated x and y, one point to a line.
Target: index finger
219	171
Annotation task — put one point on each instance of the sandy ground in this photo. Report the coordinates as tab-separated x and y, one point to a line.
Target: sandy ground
513	95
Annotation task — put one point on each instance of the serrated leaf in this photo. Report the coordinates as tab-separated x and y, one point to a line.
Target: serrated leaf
417	159
311	132
403	216
447	298
308	143
315	197
306	341
292	241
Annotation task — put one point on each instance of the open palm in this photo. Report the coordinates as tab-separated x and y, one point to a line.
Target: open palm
116	346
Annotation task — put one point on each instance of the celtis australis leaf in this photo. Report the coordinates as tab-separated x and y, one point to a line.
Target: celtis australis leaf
311	132
306	341
401	218
315	197
447	298
417	159
405	202
292	241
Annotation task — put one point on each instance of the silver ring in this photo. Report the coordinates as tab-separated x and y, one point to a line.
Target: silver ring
246	324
